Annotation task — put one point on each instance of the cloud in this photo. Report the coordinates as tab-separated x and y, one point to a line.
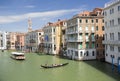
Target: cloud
42	15
30	6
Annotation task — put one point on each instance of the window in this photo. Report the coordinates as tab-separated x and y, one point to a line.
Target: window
92	28
87	53
112	22
96	45
106	24
92	21
92	35
106	54
54	30
81	45
112	48
39	33
118	49
87	44
86	36
105	47
12	43
103	21
97	28
80	36
80	21
105	13
93	53
81	53
102	28
97	36
119	36
96	20
76	53
86	28
105	36
54	47
93	45
118	8
111	11
86	21
118	21
80	28
112	36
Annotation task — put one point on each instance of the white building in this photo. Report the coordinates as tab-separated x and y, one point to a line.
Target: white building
32	40
3	40
83	33
112	31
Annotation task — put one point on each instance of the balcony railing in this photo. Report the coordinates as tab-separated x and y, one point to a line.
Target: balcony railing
115	42
75	40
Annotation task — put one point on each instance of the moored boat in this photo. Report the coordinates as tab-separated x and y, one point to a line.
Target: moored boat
53	65
18	55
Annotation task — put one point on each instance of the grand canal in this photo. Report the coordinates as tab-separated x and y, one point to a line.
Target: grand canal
30	70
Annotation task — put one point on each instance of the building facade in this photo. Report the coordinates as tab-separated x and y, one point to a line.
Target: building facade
3	40
32	40
19	44
83	32
112	31
53	37
11	40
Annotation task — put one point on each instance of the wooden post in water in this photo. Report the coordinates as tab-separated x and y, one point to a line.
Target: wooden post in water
118	64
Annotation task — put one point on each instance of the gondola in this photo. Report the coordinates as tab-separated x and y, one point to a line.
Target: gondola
53	65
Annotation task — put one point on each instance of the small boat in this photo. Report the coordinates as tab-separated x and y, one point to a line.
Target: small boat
18	55
53	65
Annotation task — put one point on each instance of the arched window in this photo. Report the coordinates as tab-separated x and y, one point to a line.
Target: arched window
81	53
87	53
93	53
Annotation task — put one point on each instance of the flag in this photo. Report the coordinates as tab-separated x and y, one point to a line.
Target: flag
46	38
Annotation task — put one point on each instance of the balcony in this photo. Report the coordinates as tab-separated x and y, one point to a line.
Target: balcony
116	42
75	40
81	31
72	32
79	40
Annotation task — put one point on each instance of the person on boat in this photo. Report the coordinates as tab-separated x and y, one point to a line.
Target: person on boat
55	64
45	64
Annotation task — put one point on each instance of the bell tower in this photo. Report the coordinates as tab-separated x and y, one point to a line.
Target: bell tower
29	25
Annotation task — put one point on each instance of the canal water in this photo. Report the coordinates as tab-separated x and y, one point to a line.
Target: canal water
30	70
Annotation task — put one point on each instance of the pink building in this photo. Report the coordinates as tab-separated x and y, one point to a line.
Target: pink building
20	41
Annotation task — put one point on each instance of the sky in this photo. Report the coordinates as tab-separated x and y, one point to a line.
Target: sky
14	14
